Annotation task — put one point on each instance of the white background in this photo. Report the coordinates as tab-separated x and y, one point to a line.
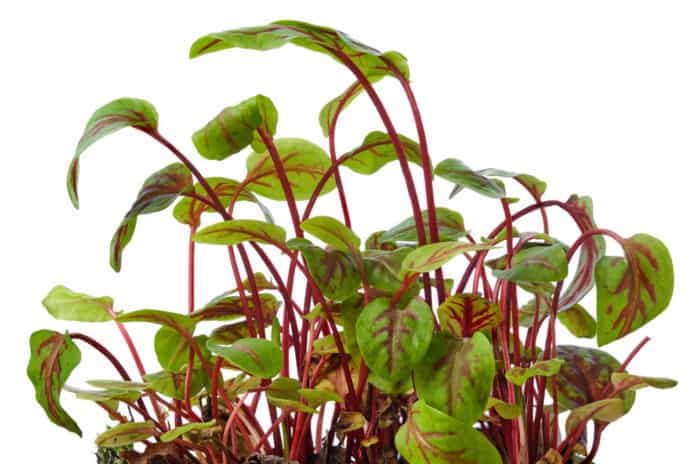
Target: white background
596	97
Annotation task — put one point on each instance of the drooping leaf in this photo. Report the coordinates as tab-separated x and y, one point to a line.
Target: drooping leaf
172	348
584	375
304	164
590	252
460	174
604	411
233	129
544	263
427	258
393	340
159	191
377	150
53	358
124	112
519	375
172	384
636	382
182	430
450	225
189	210
464	313
257	357
382	268
349	421
504	410
238	231
578	321
309	36
535	186
227	307
432	437
179	322
124	385
65	304
333	233
101	396
633	290
328	113
335	272
456	375
126	434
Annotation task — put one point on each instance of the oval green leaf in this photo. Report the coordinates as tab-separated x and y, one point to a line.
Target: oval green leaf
450	225
238	231
464	314
64	304
260	358
126	434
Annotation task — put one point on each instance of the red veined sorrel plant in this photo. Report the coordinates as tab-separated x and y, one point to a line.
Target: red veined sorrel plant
357	350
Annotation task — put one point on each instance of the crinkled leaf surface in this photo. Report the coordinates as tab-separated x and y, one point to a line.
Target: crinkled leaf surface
65	304
53	358
464	313
456	375
633	290
393	340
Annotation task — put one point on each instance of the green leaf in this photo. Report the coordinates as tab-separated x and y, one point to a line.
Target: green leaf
53	358
393	340
544	263
172	348
382	269
238	231
504	410
172	384
189	210
427	258
101	396
590	252
124	385
548	368
536	187
431	437
227	307
179	322
633	290
126	434
604	411
64	304
285	392
182	430
333	233
335	272
578	321
230	333
457	172
124	112
260	358
584	375
234	128
450	225
377	150
309	36
304	164
636	382
465	313
456	375
159	191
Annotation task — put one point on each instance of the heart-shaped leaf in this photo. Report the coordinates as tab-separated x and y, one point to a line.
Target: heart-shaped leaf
543	263
456	375
53	358
432	437
304	164
126	434
393	340
519	375
450	225
234	128
124	112
260	358
578	321
238	231
172	348
64	304
333	233
633	290
460	174
182	430
427	258
159	191
464	313
377	150
335	272
189	210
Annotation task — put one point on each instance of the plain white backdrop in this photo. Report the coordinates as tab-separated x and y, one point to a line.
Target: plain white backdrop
595	97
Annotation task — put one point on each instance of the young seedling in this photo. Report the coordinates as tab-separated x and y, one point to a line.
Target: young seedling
347	350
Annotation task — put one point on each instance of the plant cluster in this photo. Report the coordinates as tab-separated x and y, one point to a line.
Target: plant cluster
350	350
